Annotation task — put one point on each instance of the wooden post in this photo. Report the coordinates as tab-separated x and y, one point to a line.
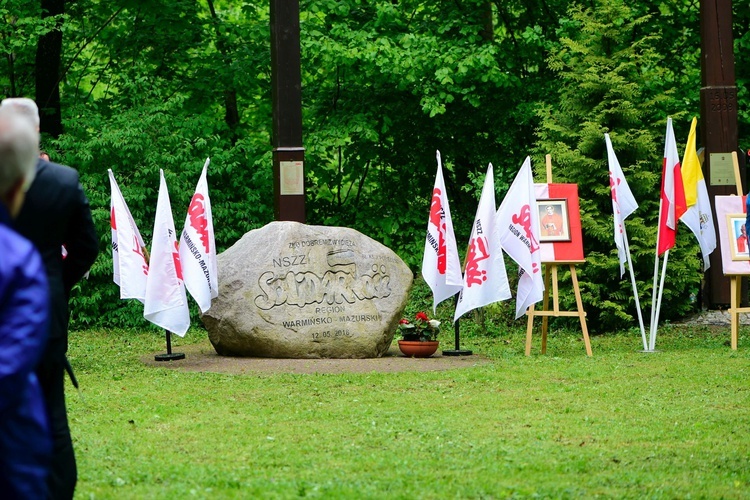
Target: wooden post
718	123
286	96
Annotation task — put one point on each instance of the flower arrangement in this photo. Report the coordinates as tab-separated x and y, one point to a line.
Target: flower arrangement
422	329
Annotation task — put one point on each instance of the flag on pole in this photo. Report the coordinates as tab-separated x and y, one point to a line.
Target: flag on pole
517	224
485	280
166	302
623	202
672	204
129	255
441	267
698	216
197	247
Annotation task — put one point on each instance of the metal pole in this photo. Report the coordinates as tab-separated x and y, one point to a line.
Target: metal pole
457	351
286	97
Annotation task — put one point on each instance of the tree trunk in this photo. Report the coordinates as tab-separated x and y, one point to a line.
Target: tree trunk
47	72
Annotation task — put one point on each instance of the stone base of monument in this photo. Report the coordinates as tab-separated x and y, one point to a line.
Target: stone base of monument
289	290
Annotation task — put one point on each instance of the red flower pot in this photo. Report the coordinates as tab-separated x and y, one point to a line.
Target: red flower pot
418	349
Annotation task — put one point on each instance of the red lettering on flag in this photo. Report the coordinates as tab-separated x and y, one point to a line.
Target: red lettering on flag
478	251
197	213
524	219
438	220
176	258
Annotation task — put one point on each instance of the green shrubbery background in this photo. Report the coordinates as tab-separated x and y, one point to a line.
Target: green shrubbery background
163	85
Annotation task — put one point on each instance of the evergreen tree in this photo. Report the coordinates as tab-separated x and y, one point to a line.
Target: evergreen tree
610	81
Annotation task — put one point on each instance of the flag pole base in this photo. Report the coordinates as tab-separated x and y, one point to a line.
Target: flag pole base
169	356
173	356
649	351
457	352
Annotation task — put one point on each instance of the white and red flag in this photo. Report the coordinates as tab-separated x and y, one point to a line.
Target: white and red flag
441	266
672	204
517	224
698	216
485	280
197	247
671	207
166	302
623	202
129	255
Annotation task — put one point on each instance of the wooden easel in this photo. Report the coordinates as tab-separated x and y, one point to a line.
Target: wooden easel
550	274
735	280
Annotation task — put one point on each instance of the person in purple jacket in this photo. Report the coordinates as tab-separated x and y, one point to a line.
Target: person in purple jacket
25	438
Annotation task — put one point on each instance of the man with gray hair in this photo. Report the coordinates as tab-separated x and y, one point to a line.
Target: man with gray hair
56	214
25	441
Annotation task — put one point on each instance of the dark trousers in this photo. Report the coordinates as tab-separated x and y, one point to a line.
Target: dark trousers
51	373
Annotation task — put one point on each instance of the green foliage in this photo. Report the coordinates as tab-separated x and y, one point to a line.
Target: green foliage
611	80
149	85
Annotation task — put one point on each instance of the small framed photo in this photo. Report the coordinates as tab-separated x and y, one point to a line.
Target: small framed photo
554	222
738	243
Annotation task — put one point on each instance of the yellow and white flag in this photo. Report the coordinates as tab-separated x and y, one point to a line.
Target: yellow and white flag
698	217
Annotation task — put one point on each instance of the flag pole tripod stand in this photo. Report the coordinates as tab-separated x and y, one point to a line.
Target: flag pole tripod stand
169	356
457	351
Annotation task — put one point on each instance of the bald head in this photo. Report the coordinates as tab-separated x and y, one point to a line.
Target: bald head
23	106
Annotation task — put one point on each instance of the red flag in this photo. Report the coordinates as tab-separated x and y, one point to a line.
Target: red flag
672	204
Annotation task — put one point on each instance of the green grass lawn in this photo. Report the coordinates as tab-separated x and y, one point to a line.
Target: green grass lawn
671	424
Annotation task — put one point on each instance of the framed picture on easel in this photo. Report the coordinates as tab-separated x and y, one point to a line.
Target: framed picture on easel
554	222
738	242
558	209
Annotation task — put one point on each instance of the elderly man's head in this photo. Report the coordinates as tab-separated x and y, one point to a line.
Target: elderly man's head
19	150
23	106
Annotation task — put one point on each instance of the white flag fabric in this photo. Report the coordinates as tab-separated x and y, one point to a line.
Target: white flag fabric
698	216
166	302
518	228
129	257
485	280
623	202
197	247
441	267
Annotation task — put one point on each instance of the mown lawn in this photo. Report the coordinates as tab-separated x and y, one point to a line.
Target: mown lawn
672	424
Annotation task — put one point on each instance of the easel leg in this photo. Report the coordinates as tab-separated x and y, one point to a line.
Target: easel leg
735	287
581	312
529	328
545	319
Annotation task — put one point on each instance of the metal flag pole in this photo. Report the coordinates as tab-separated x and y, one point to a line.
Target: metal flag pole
457	351
169	356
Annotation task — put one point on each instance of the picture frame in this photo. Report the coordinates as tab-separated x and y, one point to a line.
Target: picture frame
739	245
554	219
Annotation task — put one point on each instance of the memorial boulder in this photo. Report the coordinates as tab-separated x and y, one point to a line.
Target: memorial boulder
289	290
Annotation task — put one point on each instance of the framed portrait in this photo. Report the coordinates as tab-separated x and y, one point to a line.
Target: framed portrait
738	242
554	220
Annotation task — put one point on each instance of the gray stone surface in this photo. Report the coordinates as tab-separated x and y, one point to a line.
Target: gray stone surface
289	290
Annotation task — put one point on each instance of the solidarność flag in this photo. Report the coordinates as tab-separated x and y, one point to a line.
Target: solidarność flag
197	247
485	280
166	302
517	224
441	267
129	255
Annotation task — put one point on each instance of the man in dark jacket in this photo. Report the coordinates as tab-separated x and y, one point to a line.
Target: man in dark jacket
56	214
25	442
